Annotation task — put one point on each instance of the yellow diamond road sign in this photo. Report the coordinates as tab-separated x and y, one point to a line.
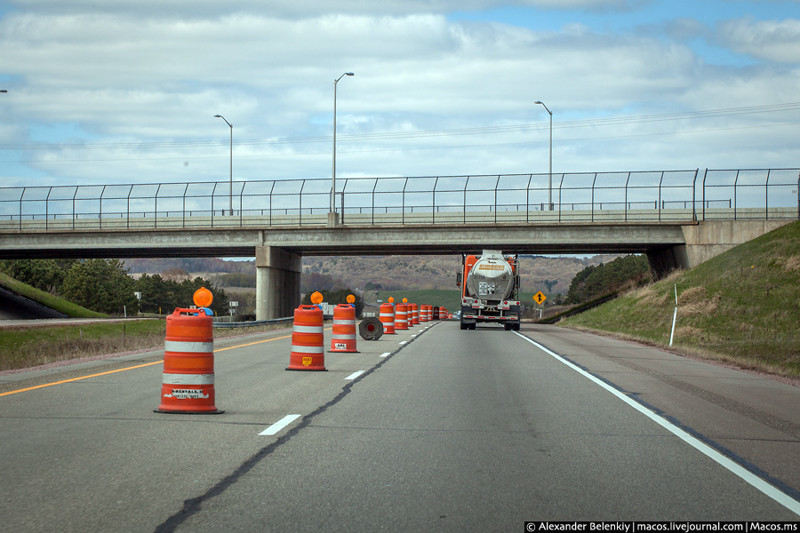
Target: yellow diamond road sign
539	297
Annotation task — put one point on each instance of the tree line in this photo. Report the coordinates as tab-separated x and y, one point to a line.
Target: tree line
103	285
595	281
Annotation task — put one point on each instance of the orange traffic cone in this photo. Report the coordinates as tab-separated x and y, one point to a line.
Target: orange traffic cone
188	377
343	338
308	352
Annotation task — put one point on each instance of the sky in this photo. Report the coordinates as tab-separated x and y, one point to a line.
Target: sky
127	91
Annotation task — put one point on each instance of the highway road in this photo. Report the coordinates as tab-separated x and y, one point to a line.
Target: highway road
430	429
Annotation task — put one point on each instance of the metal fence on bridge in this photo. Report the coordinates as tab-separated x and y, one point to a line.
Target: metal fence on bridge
644	196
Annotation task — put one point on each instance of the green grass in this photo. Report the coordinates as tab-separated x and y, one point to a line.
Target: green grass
742	307
25	347
45	298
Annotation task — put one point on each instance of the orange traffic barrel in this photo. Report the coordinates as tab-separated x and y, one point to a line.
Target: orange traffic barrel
187	384
423	313
414	315
343	338
387	318
401	316
308	351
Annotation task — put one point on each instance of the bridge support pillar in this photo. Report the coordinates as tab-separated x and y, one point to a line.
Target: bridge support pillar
277	282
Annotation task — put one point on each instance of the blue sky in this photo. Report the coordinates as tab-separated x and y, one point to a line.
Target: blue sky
126	91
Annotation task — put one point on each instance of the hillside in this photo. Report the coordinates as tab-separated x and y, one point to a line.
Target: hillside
551	275
742	307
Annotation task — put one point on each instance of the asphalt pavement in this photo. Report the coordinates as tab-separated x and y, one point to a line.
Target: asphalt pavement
427	430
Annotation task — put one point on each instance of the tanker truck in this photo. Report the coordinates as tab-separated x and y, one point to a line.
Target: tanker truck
489	289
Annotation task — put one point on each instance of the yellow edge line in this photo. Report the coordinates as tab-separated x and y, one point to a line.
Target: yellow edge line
127	368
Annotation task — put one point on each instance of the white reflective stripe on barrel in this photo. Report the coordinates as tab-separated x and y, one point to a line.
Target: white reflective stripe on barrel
307	349
307	329
187	379
189	347
345	336
344	322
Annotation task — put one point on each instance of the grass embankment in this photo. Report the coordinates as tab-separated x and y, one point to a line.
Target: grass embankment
45	298
741	307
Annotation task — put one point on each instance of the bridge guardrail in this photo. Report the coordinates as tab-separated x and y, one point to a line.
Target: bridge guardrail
652	196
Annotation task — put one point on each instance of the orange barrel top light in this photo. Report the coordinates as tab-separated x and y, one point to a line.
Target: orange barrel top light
308	351
387	318
188	376
203	297
343	338
401	316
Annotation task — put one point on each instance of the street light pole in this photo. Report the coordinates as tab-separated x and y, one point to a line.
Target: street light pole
333	173
230	193
550	186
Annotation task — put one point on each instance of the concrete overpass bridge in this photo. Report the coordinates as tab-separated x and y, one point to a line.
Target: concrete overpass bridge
672	216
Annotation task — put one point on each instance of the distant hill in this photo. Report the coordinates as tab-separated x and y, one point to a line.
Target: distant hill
191	265
552	275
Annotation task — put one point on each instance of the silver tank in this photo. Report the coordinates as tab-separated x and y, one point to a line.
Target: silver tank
491	277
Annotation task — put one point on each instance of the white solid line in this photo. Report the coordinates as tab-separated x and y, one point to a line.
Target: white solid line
280	424
386	354
354	375
735	468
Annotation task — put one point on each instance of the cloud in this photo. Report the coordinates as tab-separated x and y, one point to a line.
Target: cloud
130	95
766	40
305	8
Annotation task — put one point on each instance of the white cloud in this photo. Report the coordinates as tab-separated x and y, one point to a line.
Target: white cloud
766	40
305	8
136	94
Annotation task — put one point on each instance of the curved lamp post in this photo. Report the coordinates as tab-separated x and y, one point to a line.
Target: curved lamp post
333	173
230	193
550	186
